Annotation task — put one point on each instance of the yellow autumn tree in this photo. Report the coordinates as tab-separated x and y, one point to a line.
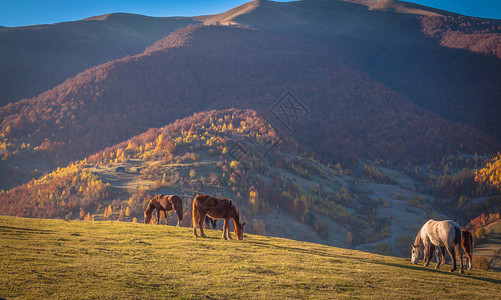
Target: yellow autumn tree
491	173
254	199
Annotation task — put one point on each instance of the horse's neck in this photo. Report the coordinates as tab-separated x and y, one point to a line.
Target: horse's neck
418	240
150	207
236	218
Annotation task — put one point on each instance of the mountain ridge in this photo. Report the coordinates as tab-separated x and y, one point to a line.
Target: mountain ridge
63	50
96	97
349	85
454	59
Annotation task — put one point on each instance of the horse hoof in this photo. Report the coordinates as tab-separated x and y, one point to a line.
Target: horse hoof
452	270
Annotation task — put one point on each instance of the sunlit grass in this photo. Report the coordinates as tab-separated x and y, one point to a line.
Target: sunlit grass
73	259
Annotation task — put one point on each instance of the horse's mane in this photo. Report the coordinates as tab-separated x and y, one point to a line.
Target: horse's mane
418	241
237	212
150	207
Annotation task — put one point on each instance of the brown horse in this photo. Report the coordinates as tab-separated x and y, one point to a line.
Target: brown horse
164	203
466	244
216	209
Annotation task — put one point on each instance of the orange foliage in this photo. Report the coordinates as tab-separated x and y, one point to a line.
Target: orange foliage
70	189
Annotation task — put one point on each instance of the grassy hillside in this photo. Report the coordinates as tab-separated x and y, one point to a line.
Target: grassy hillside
193	156
60	259
285	192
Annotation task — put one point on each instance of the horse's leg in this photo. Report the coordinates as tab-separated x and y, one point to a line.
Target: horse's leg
452	254
229	231
468	255
225	226
438	254
201	225
428	254
440	257
158	216
195	222
442	249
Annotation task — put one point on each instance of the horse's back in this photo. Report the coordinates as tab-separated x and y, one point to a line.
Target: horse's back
214	207
207	201
442	233
156	198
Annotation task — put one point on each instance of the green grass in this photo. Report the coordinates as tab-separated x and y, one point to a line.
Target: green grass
74	259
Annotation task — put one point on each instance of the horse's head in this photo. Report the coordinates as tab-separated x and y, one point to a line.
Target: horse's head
416	253
239	231
147	217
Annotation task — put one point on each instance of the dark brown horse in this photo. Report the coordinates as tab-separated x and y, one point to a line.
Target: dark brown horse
216	209
210	222
466	244
164	203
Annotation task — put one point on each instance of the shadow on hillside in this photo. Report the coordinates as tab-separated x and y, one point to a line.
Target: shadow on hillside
296	249
433	270
9	229
377	262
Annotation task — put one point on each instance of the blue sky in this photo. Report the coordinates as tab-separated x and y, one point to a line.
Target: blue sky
31	12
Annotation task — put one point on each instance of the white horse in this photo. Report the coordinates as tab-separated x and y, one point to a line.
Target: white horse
440	234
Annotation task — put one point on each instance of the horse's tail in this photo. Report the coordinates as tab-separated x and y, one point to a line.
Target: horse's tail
195	213
181	213
472	243
458	241
177	204
458	237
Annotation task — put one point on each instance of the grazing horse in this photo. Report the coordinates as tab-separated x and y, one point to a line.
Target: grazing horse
466	244
164	203
216	209
445	234
210	222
